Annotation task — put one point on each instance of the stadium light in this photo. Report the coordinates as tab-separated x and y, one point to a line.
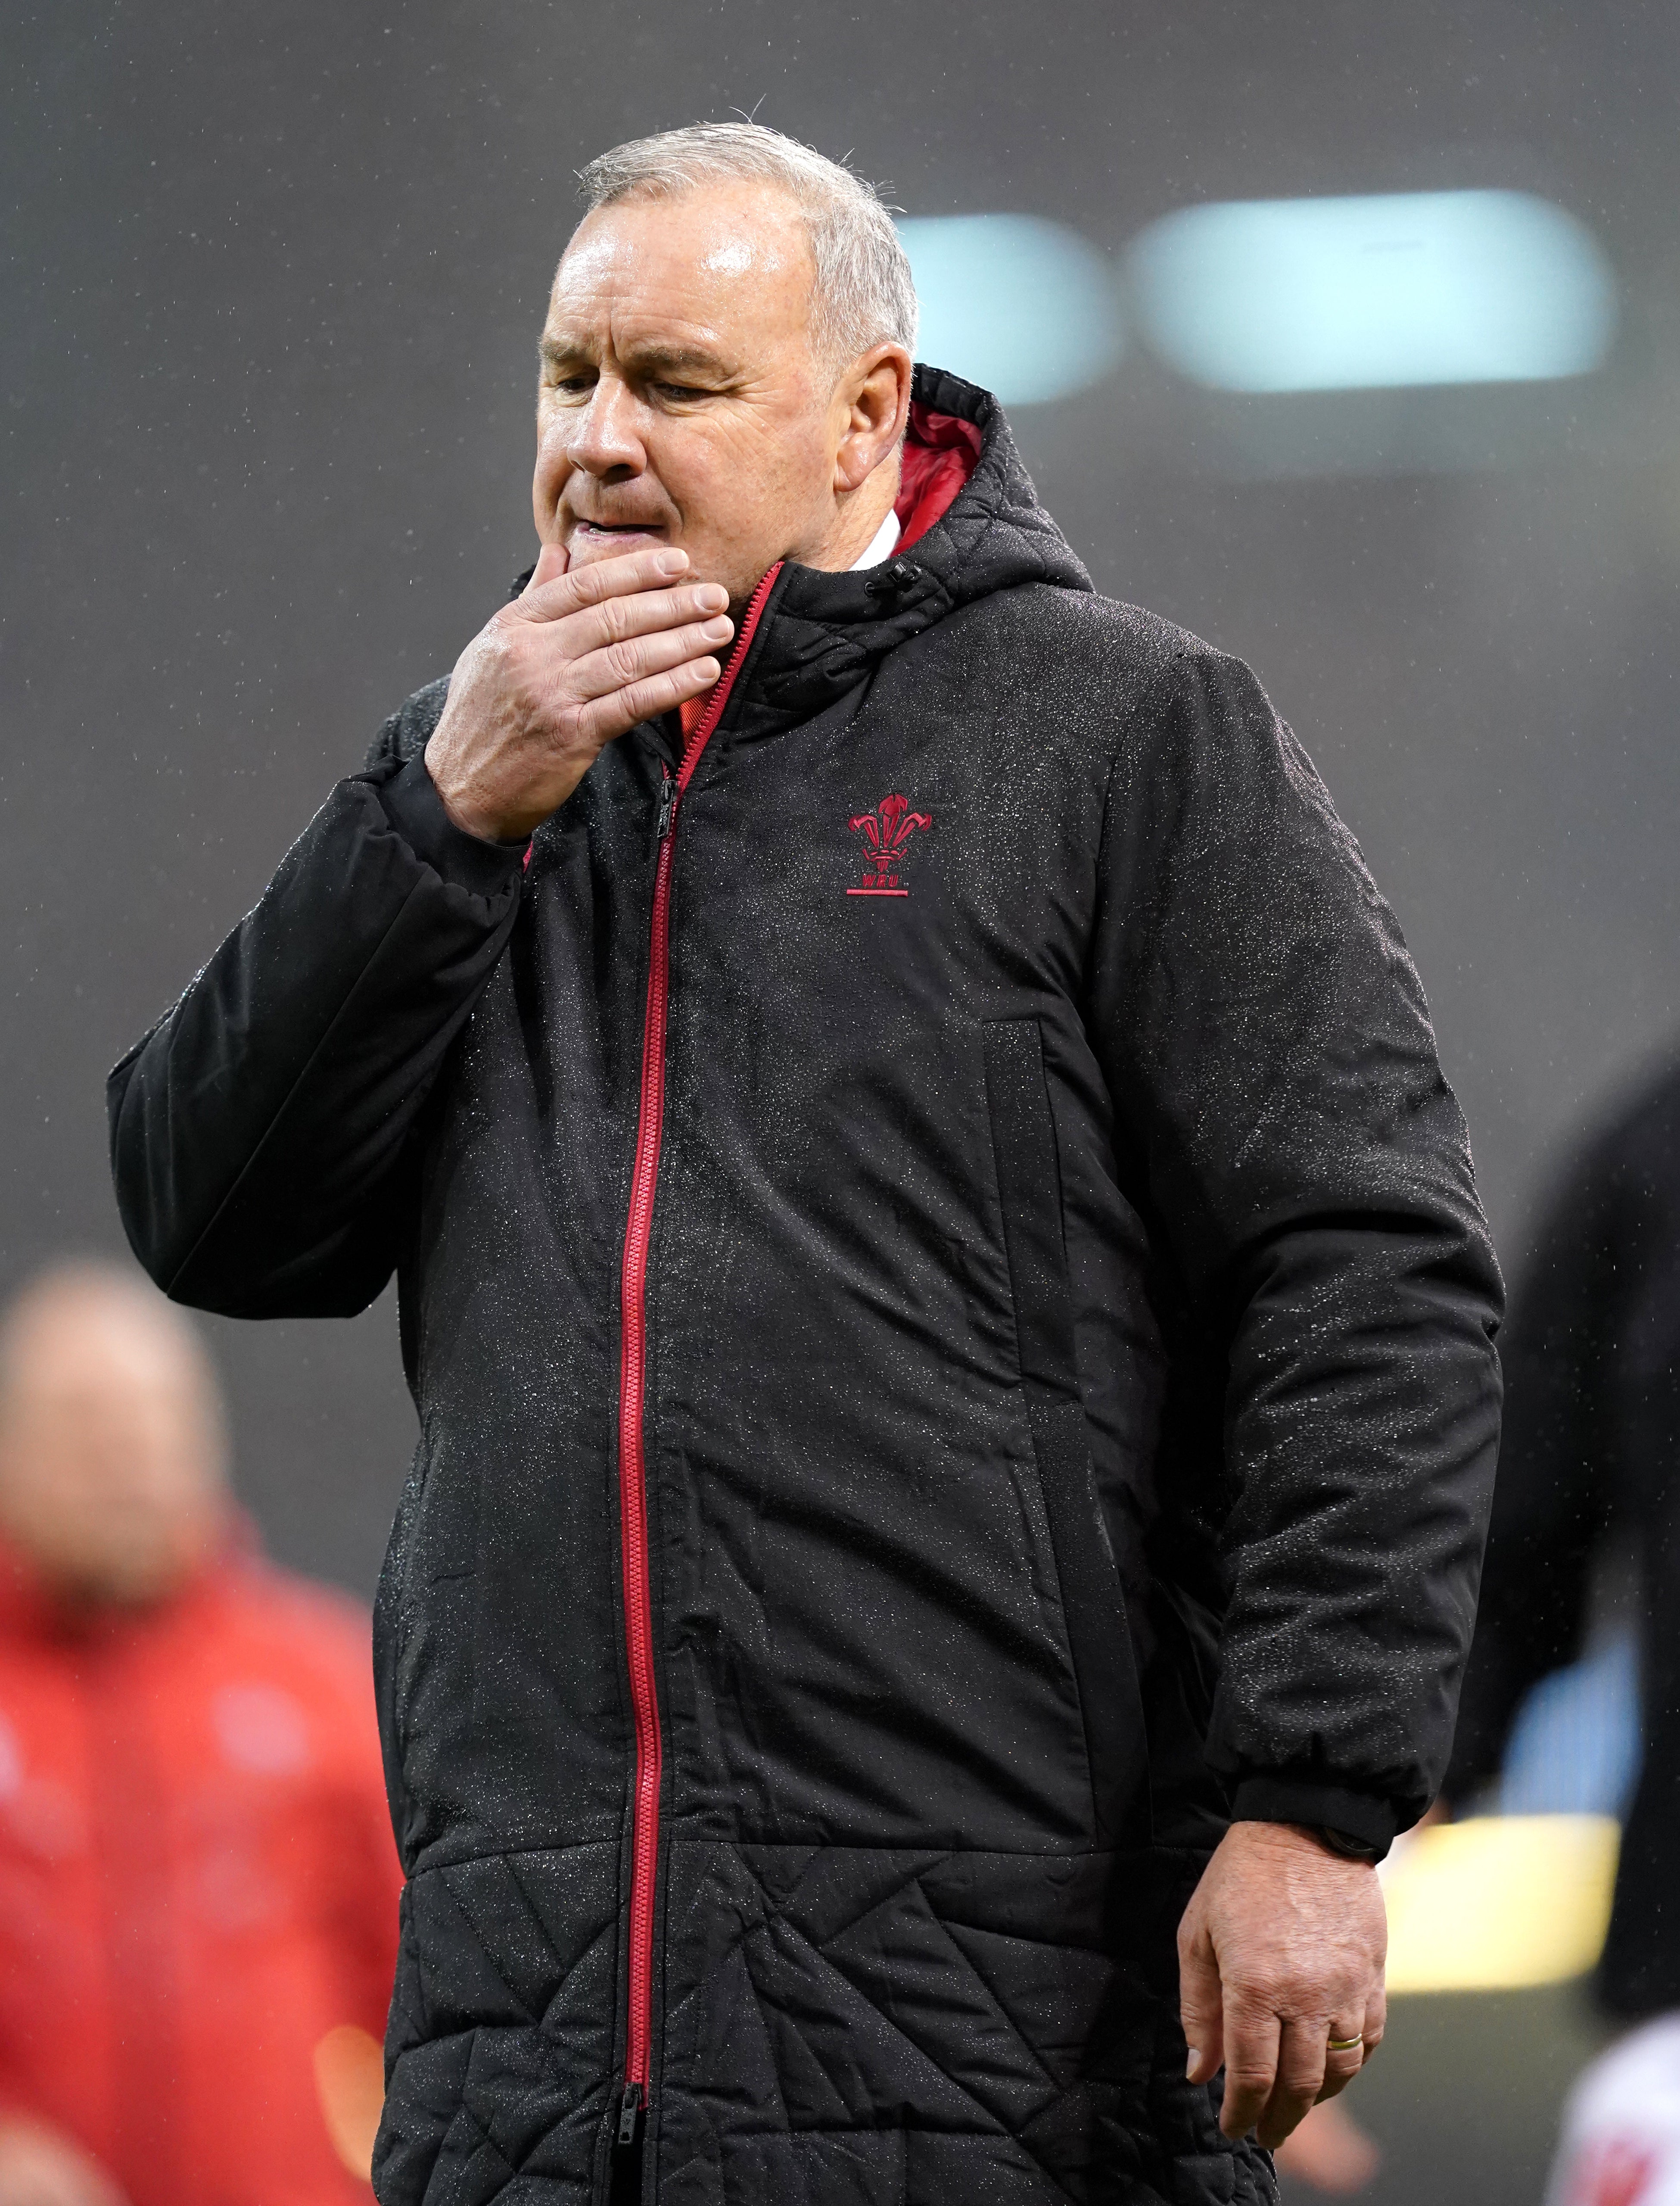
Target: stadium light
1026	307
1411	288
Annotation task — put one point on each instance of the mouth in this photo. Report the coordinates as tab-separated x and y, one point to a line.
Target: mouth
613	535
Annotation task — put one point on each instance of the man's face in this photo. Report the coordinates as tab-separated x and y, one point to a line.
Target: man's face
681	401
111	1475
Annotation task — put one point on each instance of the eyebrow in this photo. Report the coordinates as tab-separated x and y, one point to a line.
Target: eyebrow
648	359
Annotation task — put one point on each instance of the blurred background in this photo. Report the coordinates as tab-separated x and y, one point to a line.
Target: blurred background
1349	337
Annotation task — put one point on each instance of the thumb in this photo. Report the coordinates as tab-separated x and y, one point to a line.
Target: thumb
550	565
1201	2007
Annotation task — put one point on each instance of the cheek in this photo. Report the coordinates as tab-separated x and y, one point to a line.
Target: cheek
163	1456
549	477
701	450
64	1506
729	472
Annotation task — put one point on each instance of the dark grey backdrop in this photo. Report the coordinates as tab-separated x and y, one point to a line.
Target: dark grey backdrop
275	273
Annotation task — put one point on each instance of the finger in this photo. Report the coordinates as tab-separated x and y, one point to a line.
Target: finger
1302	2058
611	716
599	579
604	672
616	620
1200	2003
1376	2017
1342	2060
1252	2035
550	565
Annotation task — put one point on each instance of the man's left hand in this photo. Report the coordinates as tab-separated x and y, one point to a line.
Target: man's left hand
1280	1951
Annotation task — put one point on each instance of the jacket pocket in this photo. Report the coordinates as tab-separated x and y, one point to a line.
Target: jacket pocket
1093	1602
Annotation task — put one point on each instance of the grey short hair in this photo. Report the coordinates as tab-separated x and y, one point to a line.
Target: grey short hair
864	294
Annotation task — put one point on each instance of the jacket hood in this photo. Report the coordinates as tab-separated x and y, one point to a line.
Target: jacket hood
823	633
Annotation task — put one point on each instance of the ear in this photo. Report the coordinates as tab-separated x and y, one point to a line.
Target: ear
873	401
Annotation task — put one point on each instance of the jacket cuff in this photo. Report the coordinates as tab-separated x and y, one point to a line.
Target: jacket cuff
414	808
1362	1816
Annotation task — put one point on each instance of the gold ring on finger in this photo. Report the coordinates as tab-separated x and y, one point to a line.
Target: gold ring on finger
1344	2044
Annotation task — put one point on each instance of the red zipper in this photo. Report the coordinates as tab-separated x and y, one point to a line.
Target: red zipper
632	1395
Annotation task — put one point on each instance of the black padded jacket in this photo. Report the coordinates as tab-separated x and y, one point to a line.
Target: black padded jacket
952	1332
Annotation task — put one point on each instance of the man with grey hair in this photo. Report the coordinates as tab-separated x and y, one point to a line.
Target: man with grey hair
942	1280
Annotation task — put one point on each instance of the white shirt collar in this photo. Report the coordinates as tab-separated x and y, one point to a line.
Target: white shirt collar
883	545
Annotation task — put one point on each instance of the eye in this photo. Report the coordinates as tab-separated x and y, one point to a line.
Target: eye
570	383
680	392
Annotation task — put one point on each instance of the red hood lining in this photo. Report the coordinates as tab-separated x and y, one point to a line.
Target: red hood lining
941	451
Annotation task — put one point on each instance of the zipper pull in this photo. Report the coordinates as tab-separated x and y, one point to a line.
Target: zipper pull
630	2115
667	804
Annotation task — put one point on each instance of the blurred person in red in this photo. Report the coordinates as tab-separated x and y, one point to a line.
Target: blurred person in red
197	1884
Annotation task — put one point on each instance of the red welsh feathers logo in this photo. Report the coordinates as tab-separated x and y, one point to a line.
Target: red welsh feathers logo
887	830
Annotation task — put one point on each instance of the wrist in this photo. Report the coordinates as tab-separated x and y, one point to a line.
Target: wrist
1306	1843
1308	1801
1346	1846
457	802
414	807
1299	1841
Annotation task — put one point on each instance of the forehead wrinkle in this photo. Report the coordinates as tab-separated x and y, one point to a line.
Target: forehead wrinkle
654	352
649	351
664	311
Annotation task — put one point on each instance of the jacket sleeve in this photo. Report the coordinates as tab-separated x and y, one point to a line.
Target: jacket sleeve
1557	1472
259	1131
1307	1174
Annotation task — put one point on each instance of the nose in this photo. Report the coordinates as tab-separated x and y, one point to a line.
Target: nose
604	439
